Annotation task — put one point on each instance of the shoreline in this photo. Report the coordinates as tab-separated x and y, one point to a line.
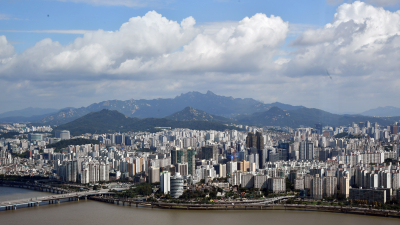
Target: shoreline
288	207
239	206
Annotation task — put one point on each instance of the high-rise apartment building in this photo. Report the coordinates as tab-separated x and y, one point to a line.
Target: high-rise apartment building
154	174
316	187
165	182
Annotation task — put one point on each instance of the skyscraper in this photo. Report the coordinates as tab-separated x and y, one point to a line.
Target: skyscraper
209	152
330	186
191	161
345	186
256	141
306	150
316	187
165	182
154	175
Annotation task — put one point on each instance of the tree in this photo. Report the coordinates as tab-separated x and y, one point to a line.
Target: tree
213	194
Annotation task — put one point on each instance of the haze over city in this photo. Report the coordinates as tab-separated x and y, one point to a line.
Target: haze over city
339	56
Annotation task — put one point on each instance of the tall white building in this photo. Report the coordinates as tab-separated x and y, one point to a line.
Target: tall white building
165	182
330	186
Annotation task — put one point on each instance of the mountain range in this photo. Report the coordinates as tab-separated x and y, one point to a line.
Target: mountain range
307	117
191	114
108	121
387	111
158	108
195	106
28	112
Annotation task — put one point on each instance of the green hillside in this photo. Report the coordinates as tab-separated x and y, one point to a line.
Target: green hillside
65	143
107	121
191	114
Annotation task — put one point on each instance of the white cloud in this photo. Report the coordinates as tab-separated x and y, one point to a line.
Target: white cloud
151	56
360	39
6	50
248	46
153	46
373	2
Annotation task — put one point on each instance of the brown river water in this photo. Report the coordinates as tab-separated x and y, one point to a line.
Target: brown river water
92	212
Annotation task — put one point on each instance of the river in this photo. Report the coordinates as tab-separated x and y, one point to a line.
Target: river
92	212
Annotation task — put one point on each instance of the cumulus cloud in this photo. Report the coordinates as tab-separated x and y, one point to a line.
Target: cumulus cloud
98	52
152	46
237	48
6	50
360	39
152	56
373	2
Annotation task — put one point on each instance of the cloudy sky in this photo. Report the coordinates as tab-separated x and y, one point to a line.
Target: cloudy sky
339	56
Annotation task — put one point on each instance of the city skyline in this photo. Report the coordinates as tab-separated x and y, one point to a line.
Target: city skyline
338	56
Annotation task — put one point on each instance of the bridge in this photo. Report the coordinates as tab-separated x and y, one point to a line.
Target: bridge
52	199
61	195
34	186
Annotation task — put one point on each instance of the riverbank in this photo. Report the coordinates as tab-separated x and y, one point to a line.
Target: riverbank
250	206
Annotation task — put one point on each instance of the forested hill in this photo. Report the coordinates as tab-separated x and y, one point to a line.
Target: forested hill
107	121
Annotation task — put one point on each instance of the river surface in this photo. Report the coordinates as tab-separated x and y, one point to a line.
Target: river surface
92	212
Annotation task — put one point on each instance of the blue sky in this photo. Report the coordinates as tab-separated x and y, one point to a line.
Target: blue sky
52	53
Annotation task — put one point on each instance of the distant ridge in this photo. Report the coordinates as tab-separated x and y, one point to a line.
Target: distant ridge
387	111
307	117
109	121
191	114
26	115
158	108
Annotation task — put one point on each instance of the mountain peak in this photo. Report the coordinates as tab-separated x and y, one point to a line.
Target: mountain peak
210	93
192	114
